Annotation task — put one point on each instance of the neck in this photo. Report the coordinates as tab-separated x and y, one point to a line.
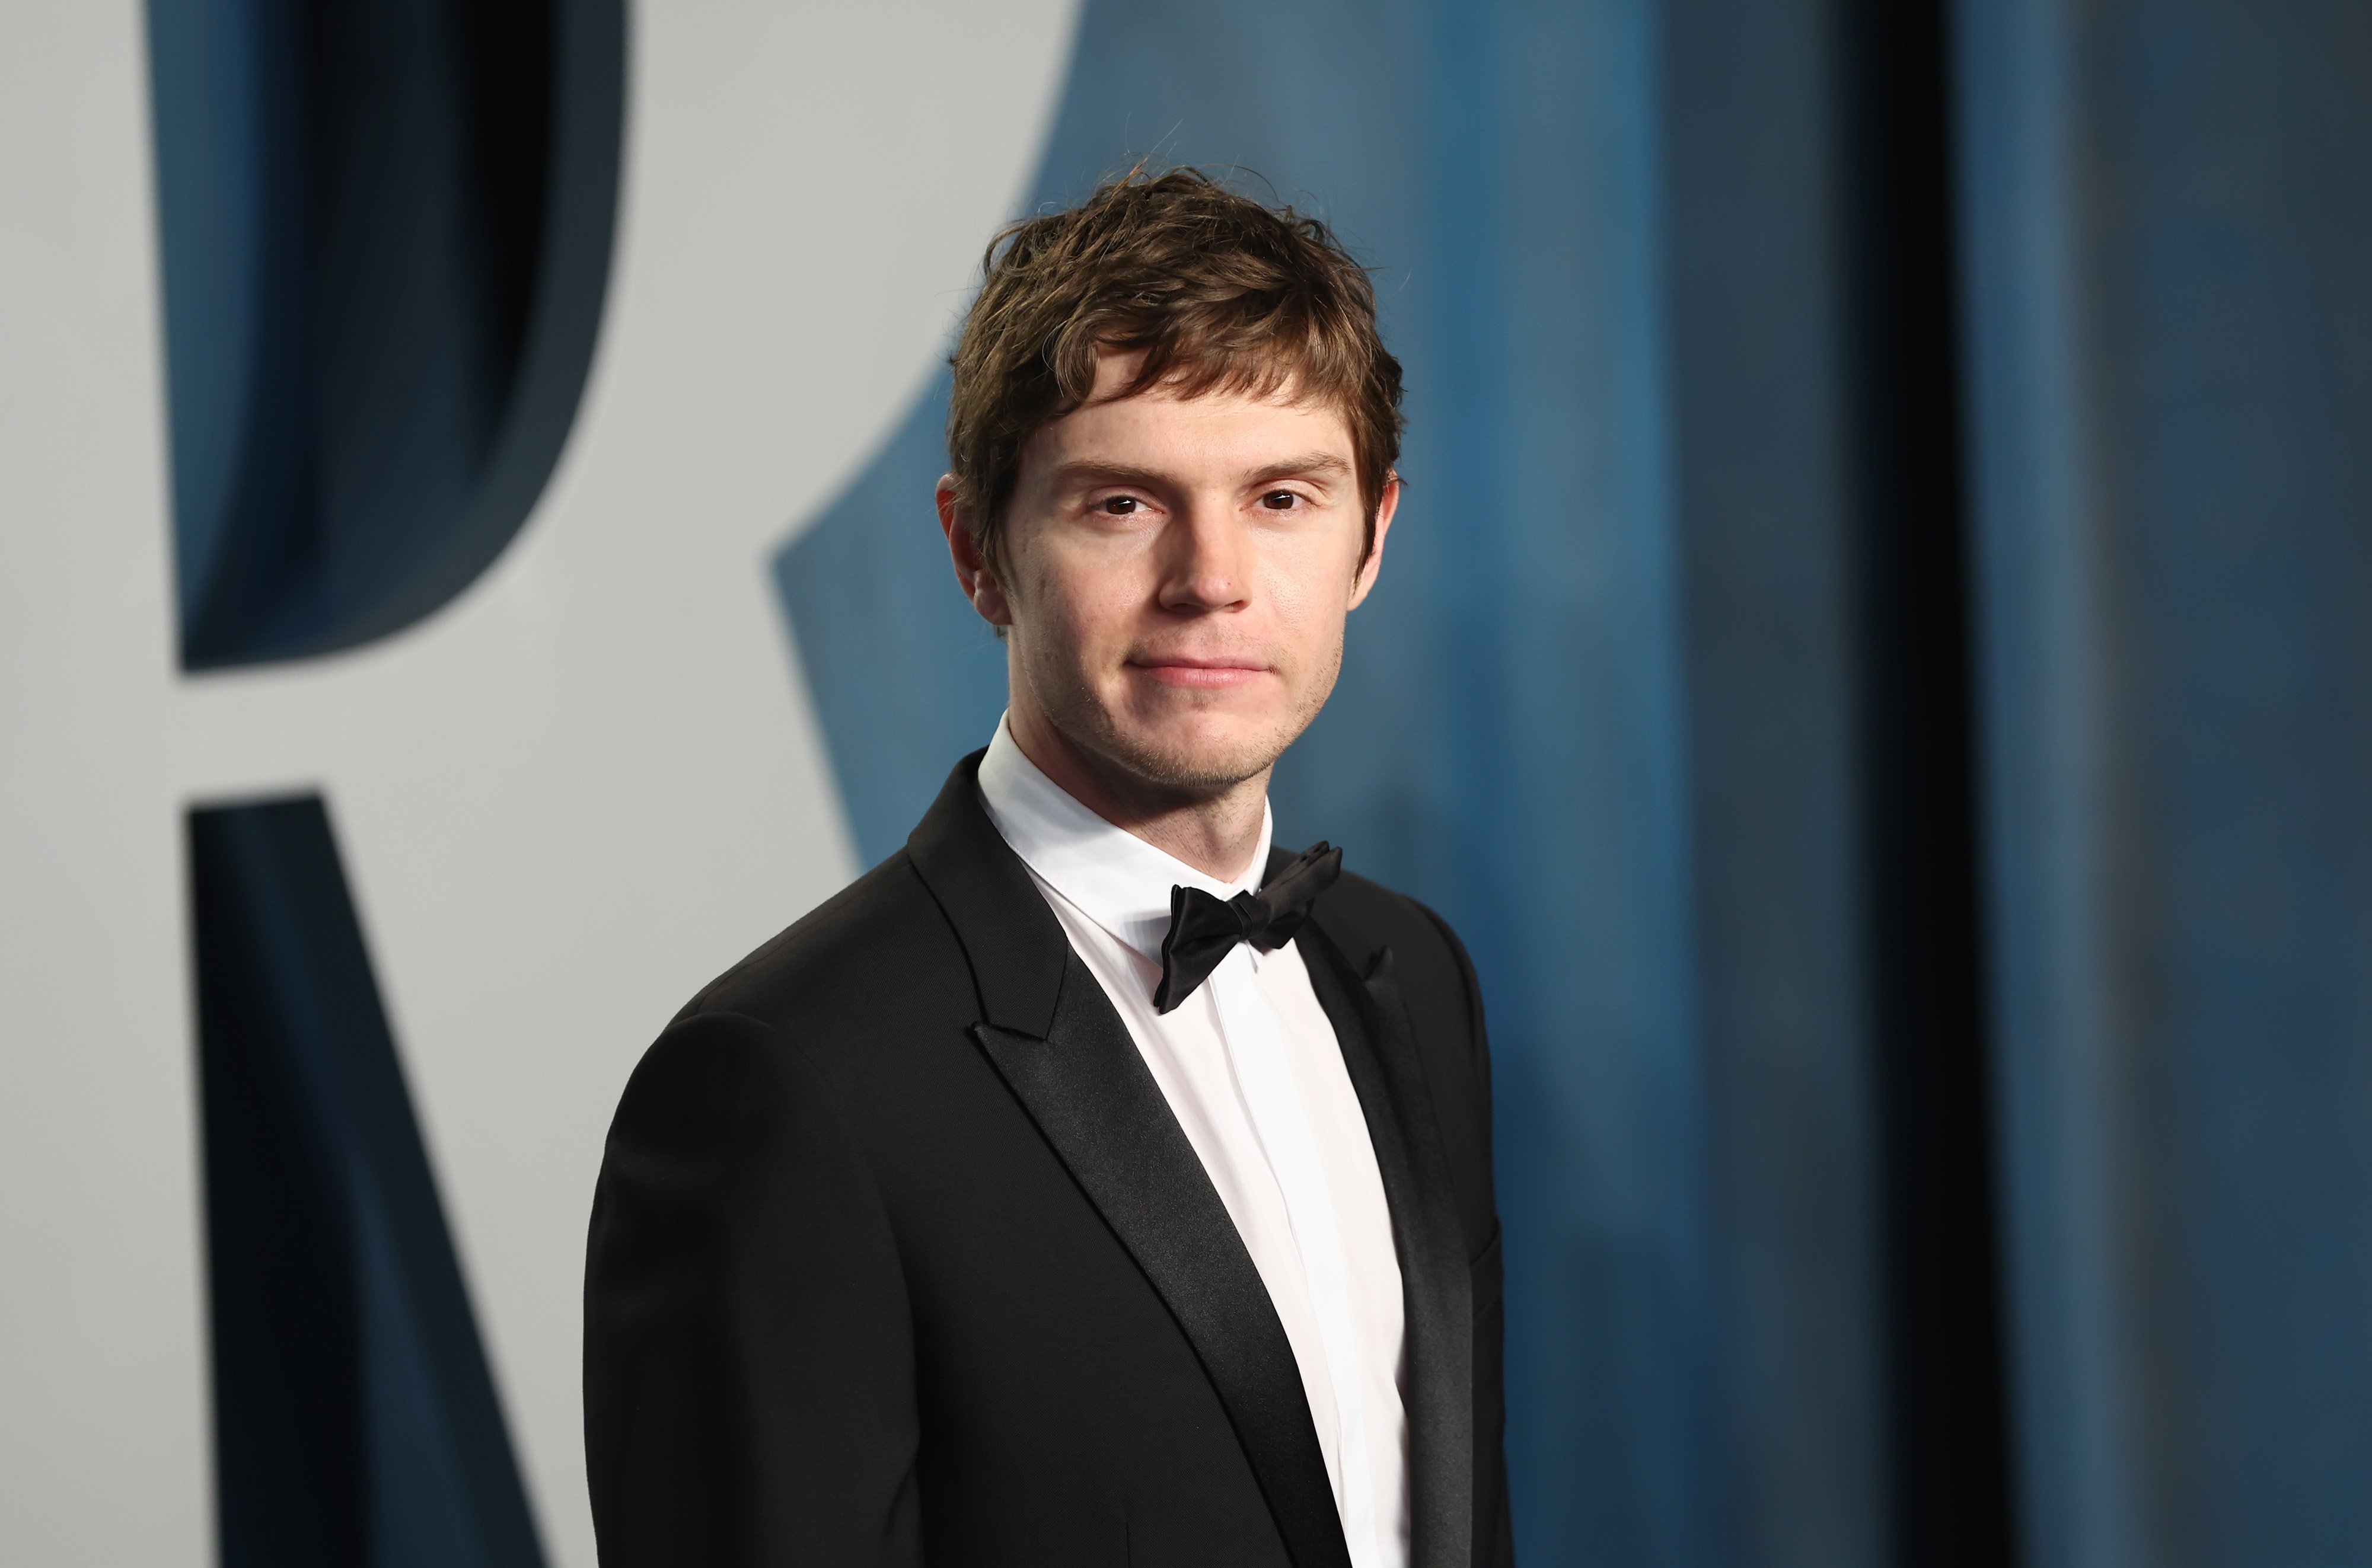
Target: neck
1217	833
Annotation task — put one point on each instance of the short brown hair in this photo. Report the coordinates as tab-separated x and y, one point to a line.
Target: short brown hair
1216	291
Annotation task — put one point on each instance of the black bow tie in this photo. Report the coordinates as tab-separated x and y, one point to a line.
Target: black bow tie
1204	930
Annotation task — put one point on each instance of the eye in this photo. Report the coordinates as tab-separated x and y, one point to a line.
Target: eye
1281	500
1118	505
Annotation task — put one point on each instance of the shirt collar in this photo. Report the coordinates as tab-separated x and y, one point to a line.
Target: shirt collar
1111	876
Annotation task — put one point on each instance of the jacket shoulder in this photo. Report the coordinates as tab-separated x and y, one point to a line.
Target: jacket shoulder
1444	1000
879	945
1372	916
1364	918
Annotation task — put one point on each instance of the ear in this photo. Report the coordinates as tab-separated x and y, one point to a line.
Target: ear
1385	505
972	571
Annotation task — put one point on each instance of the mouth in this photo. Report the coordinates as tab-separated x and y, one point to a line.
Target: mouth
1216	672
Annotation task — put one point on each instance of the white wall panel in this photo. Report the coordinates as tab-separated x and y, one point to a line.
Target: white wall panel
563	801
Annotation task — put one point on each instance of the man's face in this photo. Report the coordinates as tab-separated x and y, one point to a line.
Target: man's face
1175	575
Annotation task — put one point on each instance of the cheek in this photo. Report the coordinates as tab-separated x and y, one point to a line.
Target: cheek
1308	591
1079	602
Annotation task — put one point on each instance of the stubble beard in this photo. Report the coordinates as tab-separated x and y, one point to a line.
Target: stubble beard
1185	767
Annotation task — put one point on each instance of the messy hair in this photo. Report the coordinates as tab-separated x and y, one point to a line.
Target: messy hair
1217	293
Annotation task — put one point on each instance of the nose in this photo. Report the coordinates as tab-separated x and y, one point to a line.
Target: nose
1206	563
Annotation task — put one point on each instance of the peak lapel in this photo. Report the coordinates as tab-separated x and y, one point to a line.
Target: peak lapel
1013	943
1091	1094
1371	1022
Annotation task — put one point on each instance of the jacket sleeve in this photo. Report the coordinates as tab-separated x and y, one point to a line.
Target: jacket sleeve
1496	1532
1478	1033
748	1354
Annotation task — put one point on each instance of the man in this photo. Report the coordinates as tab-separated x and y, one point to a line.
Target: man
1089	1182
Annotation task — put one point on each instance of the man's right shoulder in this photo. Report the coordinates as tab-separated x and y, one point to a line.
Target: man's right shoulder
879	953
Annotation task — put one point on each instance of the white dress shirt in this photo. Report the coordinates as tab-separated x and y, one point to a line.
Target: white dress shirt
1251	1068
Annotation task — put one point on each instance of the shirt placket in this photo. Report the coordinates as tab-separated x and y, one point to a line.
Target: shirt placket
1250	1034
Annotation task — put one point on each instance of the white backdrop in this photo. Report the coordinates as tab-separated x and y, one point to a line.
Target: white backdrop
563	801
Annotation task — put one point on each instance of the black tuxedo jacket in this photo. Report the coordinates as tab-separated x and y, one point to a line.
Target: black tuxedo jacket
898	1255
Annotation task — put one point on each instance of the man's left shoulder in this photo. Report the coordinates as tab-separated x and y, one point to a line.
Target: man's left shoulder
1365	921
1364	916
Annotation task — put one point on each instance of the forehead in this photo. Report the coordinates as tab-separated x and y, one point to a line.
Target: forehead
1218	430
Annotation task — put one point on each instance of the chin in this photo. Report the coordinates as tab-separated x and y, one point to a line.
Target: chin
1200	755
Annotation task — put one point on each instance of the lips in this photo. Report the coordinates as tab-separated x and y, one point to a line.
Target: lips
1202	673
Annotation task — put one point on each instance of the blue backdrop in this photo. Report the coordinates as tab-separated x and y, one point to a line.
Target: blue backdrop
1874	661
2170	260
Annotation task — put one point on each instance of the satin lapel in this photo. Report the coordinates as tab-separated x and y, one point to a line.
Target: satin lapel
1011	939
1093	1097
1371	1022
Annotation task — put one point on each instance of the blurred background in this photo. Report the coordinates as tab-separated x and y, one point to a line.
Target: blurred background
1876	661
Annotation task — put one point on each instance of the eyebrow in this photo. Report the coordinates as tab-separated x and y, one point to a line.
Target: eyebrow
1313	465
1088	470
